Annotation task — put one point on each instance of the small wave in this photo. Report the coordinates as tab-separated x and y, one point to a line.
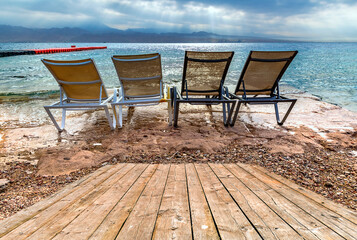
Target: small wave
28	96
18	76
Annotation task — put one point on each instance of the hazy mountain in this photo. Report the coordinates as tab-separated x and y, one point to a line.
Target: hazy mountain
102	33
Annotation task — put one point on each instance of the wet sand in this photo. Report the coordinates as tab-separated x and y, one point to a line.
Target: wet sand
316	147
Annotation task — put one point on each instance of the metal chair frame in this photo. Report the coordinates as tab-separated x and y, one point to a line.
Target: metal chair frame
209	99
274	97
121	99
71	104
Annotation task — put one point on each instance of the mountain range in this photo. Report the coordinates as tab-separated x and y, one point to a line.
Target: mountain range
110	35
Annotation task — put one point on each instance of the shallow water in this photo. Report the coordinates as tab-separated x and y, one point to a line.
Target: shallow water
328	70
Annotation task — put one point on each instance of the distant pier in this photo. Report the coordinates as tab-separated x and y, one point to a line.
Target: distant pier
8	53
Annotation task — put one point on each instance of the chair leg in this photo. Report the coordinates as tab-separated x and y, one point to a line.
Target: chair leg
176	112
109	119
115	117
53	119
169	107
225	114
286	114
228	109
172	96
277	112
230	112
176	107
120	116
63	123
233	121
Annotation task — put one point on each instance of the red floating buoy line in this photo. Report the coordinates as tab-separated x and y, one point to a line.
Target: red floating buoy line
71	49
9	53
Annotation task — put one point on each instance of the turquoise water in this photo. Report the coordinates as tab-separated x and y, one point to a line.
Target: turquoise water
328	70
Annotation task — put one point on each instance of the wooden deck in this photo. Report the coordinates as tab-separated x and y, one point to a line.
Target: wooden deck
186	201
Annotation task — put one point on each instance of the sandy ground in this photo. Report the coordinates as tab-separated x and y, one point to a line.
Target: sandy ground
316	147
89	141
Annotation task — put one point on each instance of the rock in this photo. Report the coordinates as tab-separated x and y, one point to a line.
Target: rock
3	184
34	162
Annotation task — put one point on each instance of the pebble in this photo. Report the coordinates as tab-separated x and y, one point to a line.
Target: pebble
34	162
3	182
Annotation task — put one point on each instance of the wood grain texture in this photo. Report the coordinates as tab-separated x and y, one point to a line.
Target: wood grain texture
304	224
203	225
230	220
344	229
182	201
141	222
86	192
21	217
339	209
266	221
173	220
93	214
111	225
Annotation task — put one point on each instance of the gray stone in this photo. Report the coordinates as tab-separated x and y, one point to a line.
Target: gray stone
3	183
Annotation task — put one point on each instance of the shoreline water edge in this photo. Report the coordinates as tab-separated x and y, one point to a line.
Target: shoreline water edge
327	70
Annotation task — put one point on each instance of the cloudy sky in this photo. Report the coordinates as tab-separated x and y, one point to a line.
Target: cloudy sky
334	20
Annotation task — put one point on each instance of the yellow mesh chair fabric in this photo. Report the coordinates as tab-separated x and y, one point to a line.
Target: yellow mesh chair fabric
263	75
69	72
205	76
140	75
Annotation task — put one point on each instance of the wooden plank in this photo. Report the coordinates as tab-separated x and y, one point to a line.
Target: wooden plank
306	225
77	221
339	209
230	220
113	222
266	221
173	220
343	227
140	223
203	225
19	218
280	203
236	196
50	213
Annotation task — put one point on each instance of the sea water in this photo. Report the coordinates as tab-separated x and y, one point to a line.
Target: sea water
328	70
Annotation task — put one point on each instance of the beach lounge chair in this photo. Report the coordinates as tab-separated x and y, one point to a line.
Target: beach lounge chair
202	81
260	80
81	88
140	77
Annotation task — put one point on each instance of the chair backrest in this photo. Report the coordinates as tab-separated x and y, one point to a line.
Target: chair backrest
139	75
262	72
79	79
204	72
